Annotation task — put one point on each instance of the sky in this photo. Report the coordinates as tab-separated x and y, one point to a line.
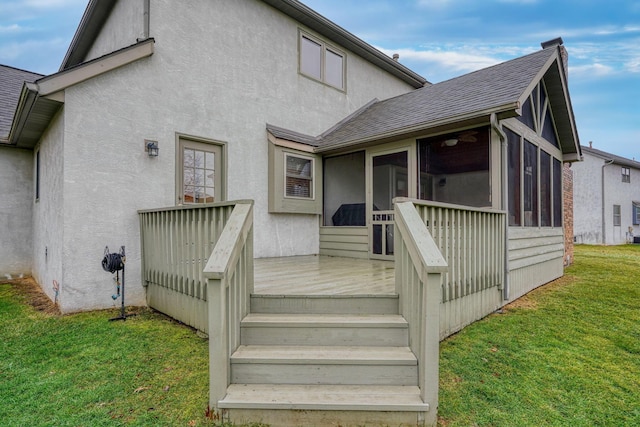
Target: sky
439	39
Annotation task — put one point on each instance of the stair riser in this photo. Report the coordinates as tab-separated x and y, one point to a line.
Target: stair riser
361	374
324	305
352	336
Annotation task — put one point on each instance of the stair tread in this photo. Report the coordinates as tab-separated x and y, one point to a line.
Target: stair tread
322	355
324	397
320	320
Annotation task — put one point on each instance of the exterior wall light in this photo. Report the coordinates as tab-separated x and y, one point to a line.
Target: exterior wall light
151	147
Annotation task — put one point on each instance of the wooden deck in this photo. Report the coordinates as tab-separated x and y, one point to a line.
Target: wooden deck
323	275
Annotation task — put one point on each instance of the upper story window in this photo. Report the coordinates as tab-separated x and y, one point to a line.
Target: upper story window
321	62
626	175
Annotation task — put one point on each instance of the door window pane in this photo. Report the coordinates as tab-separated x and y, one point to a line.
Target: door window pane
200	173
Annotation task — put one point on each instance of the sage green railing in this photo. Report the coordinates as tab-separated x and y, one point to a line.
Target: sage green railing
471	240
419	266
176	243
229	273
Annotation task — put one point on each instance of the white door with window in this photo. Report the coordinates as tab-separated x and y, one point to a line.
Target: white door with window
200	174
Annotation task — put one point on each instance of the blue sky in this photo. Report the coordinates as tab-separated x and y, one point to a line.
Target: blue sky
439	39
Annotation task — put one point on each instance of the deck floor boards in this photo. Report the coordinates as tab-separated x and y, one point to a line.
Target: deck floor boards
323	275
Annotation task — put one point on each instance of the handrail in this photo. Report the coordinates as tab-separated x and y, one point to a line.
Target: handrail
228	247
229	273
196	206
419	202
424	253
419	267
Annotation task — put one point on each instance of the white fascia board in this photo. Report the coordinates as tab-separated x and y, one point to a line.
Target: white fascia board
64	79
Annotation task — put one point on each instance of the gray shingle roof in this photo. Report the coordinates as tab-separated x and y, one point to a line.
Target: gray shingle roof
623	161
499	86
11	81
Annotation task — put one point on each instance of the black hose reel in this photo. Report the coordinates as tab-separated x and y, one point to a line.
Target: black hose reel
114	263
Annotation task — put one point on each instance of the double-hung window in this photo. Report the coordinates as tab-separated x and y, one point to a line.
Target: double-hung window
616	216
322	62
626	174
636	213
298	176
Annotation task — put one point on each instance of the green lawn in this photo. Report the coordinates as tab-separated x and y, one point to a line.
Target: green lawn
83	370
568	354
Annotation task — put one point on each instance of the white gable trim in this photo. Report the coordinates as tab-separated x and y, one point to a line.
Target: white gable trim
56	82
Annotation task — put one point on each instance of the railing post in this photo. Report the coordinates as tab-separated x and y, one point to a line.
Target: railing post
218	341
431	346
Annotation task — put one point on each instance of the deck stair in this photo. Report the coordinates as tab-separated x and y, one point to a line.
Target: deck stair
324	360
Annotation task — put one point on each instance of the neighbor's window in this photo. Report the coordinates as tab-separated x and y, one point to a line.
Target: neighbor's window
636	213
298	176
626	175
616	215
321	62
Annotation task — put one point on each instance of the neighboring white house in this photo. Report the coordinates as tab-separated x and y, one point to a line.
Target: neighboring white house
606	198
16	181
270	101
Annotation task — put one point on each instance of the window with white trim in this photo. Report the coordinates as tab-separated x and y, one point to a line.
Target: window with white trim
616	216
298	176
321	62
636	213
626	174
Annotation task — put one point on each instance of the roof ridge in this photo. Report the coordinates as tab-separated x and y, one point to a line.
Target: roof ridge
21	69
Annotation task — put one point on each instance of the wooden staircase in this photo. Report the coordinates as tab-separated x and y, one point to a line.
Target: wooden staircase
324	360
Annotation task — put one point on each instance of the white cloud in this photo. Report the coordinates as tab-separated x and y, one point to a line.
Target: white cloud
10	29
591	70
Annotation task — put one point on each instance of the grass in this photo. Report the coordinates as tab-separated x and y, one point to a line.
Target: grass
567	354
82	370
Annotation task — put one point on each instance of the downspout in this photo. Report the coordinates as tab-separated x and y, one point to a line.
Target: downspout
604	240
505	200
147	7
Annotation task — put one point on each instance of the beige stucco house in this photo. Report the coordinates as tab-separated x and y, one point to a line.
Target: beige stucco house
328	137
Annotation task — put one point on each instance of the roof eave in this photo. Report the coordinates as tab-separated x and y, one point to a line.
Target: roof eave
339	35
39	102
94	17
507	110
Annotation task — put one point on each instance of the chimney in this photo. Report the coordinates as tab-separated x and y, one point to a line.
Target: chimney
563	53
396	57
